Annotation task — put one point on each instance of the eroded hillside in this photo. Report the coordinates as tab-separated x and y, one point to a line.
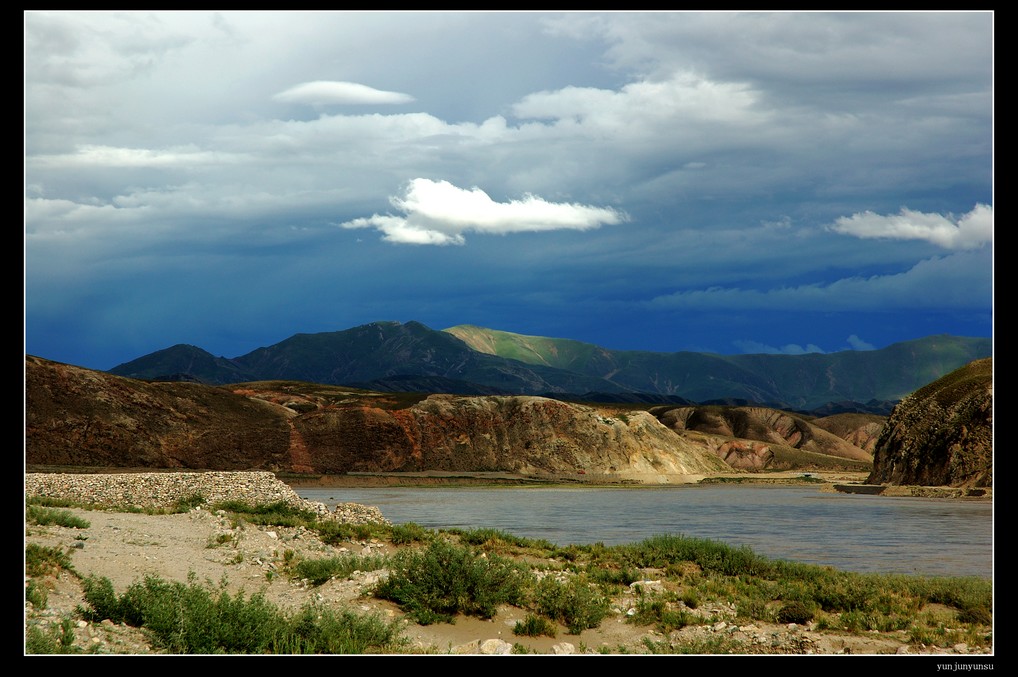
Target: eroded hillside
80	417
758	438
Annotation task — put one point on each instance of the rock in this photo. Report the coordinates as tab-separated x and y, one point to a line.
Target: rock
488	647
646	586
495	647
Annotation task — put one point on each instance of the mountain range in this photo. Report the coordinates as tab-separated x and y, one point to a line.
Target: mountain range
470	360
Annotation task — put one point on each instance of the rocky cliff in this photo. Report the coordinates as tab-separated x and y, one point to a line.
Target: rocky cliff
80	417
523	434
942	434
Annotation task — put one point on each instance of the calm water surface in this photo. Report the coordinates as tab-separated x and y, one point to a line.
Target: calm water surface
935	537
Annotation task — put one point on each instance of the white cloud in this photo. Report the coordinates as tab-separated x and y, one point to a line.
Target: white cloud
857	343
325	92
970	231
437	212
684	97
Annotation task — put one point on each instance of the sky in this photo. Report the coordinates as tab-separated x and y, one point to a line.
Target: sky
722	182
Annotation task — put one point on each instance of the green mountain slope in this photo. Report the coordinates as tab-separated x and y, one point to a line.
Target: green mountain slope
790	381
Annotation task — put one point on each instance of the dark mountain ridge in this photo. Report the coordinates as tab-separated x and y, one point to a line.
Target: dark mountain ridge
403	357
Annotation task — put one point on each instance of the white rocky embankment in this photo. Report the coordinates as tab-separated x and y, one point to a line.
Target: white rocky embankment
164	490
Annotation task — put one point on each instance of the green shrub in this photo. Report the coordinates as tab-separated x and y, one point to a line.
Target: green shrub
753	608
611	576
434	584
41	560
219	539
976	614
188	503
35	514
278	513
718	644
535	626
332	532
195	619
318	630
918	634
53	502
574	603
845	592
496	539
57	640
971	595
710	556
858	621
794	612
657	612
35	594
657	647
410	532
492	536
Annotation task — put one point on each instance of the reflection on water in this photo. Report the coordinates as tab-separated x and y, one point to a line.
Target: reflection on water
936	537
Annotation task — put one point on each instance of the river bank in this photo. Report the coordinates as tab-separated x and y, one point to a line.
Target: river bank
205	545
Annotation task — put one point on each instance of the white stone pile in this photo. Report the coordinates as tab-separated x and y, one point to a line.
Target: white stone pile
165	489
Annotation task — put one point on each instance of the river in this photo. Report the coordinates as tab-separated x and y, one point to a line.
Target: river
867	534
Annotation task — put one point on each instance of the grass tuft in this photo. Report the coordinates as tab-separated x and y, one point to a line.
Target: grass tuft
535	626
35	514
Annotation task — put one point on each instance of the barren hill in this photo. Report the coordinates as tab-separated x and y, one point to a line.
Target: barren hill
81	417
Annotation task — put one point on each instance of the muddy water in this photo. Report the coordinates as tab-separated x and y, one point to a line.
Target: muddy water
876	534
